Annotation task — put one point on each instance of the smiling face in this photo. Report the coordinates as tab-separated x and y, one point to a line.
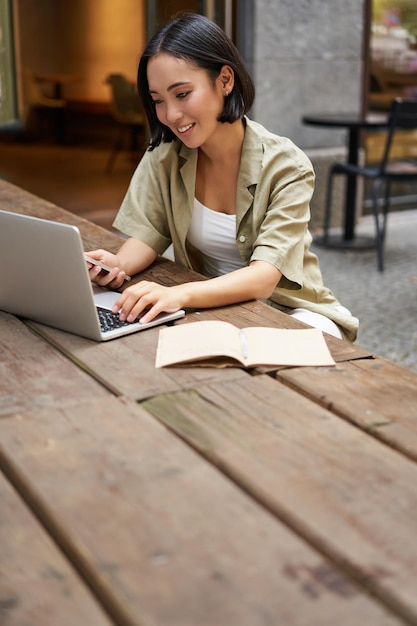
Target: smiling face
186	99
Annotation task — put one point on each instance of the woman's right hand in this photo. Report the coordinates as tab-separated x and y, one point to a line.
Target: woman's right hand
113	279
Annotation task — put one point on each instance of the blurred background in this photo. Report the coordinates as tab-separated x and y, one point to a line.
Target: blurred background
56	58
70	119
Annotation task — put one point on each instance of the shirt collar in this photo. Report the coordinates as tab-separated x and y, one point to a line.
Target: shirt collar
252	156
251	162
249	173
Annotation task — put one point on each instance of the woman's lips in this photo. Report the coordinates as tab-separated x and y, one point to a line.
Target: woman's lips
184	129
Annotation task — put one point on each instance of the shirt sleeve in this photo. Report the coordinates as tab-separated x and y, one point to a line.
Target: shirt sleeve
142	213
282	211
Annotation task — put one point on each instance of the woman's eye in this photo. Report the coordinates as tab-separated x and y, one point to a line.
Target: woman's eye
155	102
183	94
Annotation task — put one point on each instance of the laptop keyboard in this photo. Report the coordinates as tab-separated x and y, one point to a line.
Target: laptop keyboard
109	320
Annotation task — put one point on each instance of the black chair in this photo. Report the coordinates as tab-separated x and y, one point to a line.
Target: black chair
126	109
402	117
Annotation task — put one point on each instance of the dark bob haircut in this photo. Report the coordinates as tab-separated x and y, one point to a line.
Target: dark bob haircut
202	42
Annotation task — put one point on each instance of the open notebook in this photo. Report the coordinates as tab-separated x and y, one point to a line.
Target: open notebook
44	277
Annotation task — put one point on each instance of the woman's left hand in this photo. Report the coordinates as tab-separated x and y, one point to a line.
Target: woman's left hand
257	280
147	295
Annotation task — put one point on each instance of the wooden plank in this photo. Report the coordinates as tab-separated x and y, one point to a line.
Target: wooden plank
163	537
375	394
17	200
33	374
352	497
126	366
37	584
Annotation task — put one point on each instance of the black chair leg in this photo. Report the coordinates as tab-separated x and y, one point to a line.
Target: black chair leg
380	230
327	208
386	207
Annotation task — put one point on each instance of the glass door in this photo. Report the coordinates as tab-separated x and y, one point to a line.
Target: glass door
8	99
392	52
235	17
220	11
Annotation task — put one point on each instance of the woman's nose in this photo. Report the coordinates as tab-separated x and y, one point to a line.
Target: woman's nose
173	113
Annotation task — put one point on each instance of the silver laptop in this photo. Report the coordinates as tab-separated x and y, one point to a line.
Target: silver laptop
44	277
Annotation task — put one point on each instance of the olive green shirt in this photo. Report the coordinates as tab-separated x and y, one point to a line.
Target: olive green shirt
275	185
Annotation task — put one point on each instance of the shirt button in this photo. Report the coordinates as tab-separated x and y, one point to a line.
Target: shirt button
242	238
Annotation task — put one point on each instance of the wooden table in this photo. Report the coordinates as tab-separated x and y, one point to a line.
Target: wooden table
198	496
57	82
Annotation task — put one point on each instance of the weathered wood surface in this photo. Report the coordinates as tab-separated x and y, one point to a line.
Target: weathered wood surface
164	537
17	200
38	586
34	375
126	366
352	497
375	394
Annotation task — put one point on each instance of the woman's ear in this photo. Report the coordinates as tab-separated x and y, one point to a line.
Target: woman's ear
227	79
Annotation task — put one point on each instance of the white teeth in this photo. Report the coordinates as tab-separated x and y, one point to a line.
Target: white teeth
184	128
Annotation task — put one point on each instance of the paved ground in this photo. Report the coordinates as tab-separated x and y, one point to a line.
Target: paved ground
385	303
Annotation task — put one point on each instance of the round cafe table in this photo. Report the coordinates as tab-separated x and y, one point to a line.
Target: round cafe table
354	123
58	80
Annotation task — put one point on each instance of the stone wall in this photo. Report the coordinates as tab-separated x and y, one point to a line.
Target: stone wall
308	58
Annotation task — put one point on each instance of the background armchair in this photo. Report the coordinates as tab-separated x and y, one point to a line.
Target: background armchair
127	110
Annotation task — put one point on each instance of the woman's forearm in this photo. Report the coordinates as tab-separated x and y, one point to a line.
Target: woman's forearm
257	281
135	256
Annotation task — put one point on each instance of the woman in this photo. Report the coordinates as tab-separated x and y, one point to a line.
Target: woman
231	197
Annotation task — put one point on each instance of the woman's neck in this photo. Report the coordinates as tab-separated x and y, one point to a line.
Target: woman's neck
218	169
226	145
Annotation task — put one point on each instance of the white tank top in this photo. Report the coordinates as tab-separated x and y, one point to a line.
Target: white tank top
214	235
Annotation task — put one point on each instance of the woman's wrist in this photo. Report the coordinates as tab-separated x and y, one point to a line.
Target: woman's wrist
184	295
